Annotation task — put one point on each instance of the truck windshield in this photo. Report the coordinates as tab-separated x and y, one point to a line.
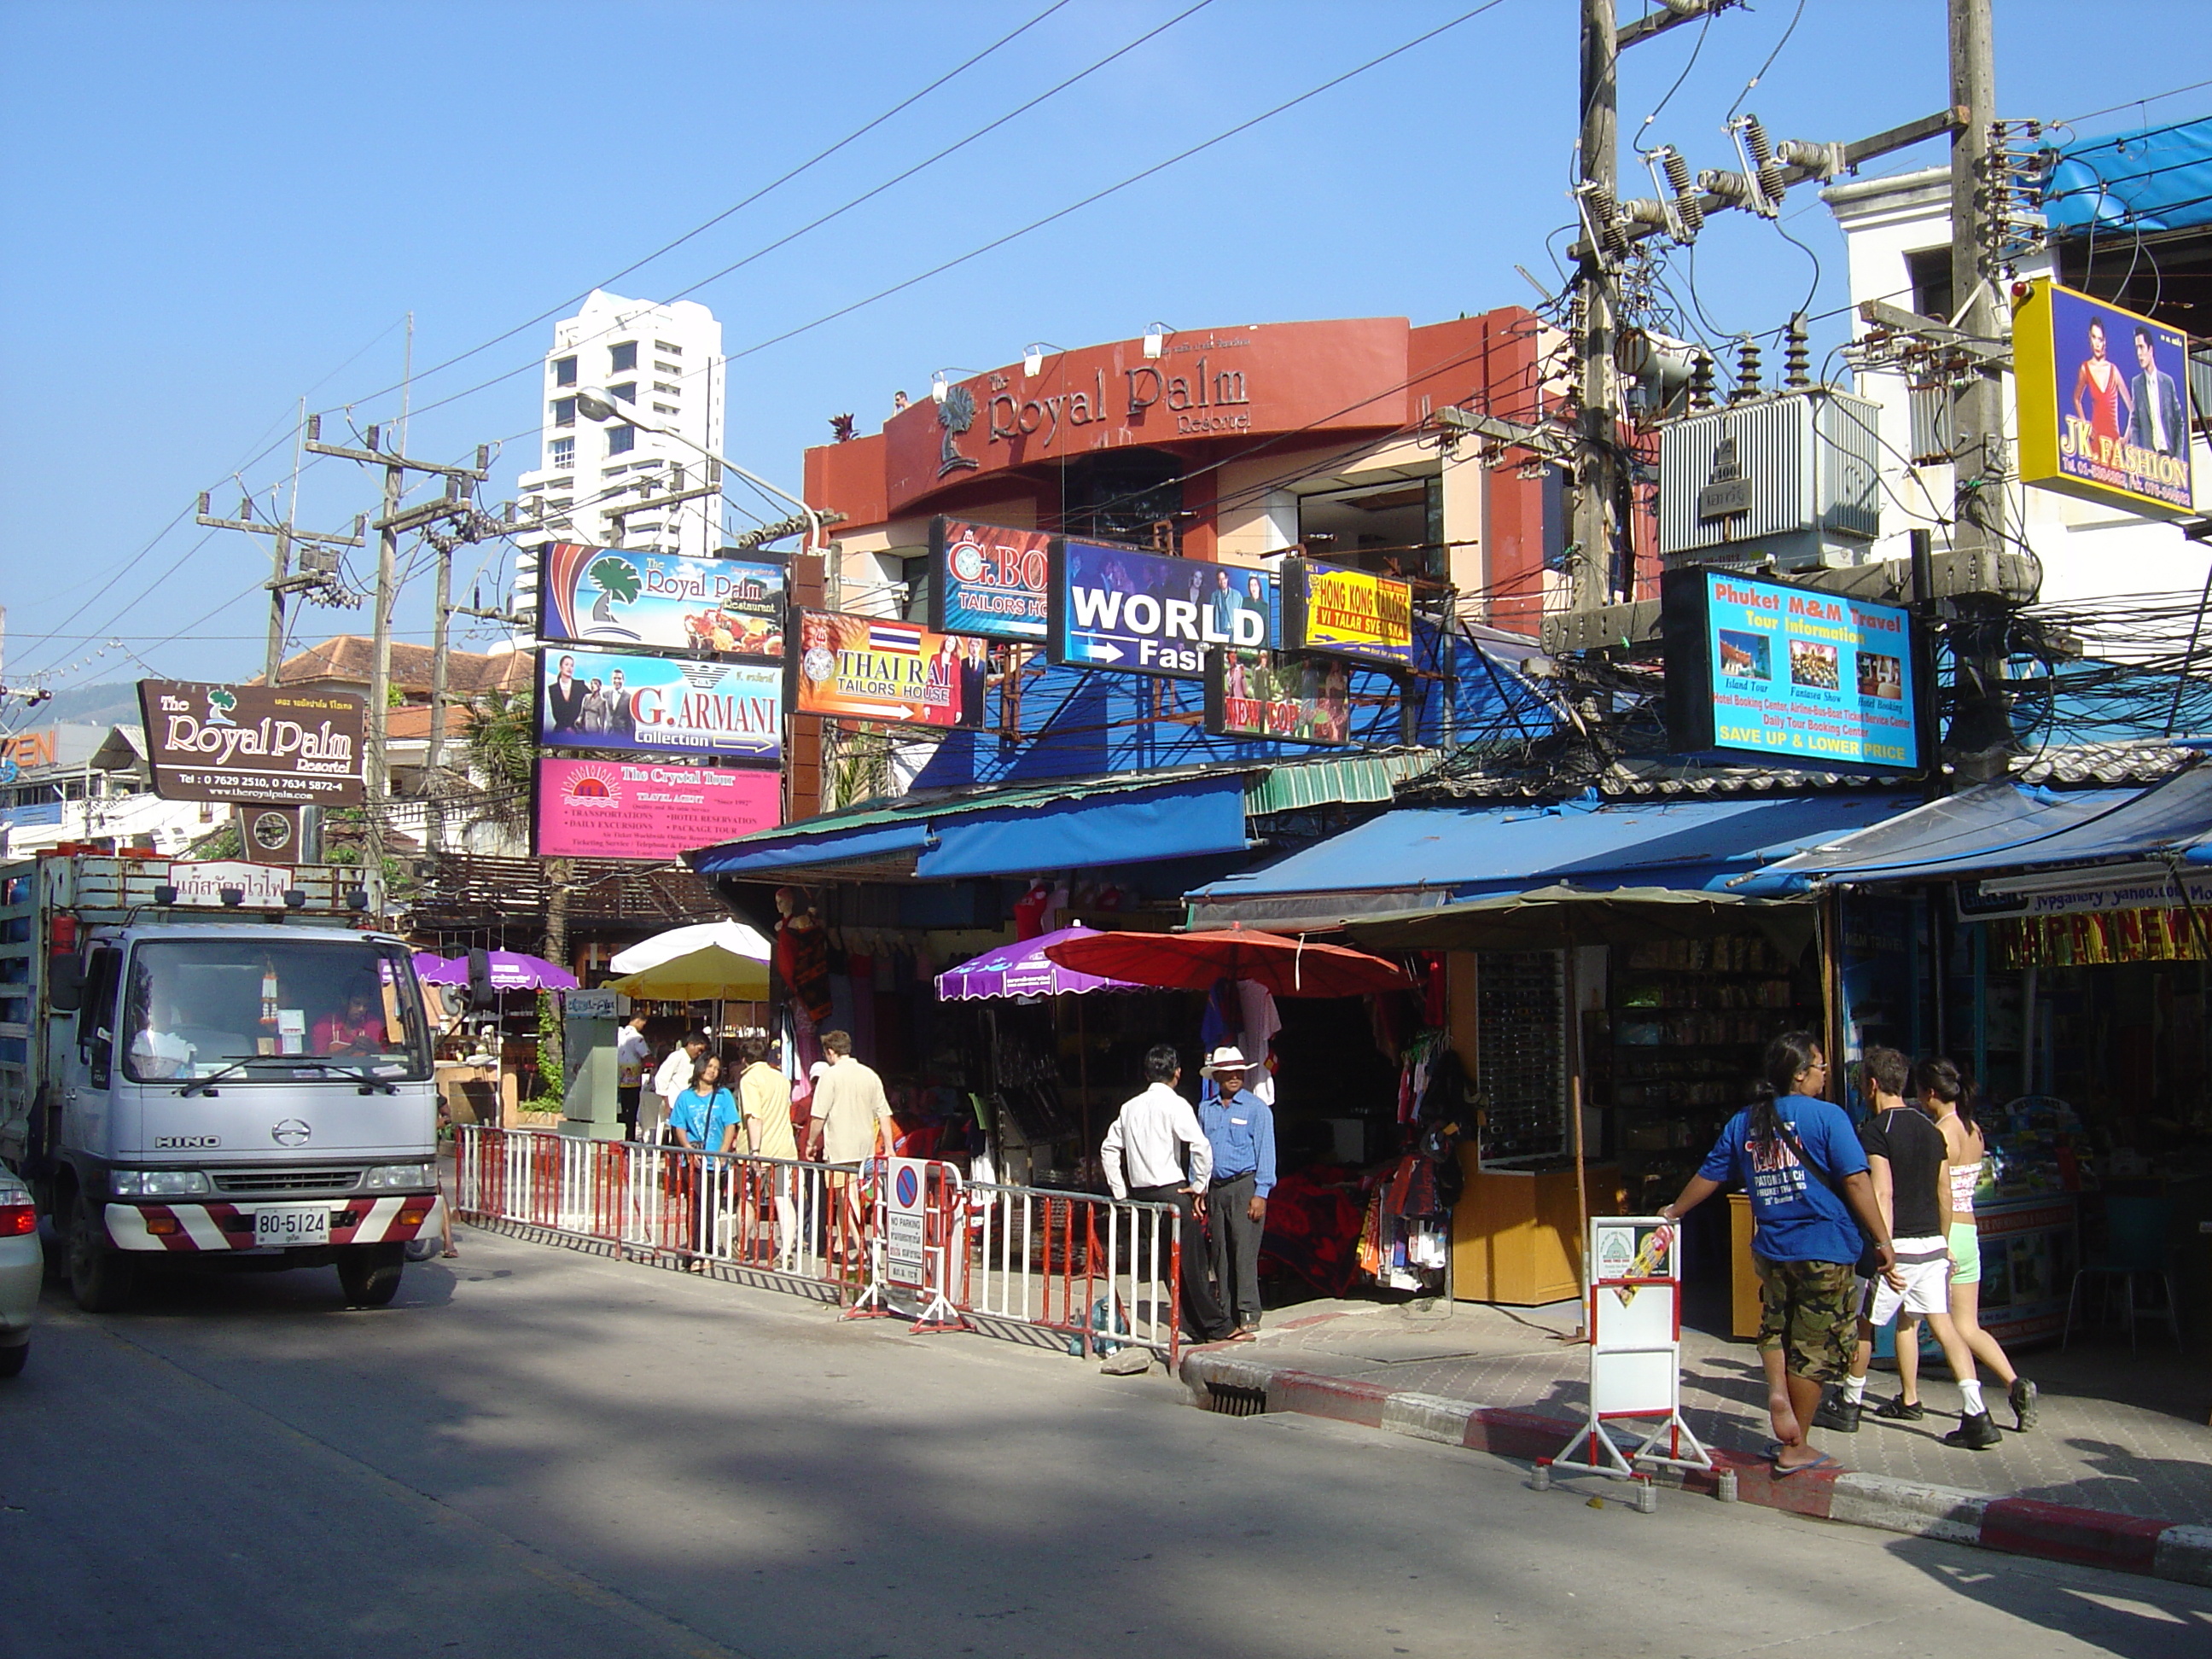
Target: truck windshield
198	1006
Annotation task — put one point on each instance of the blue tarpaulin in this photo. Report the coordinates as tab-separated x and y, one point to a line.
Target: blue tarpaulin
2156	177
2001	828
1438	855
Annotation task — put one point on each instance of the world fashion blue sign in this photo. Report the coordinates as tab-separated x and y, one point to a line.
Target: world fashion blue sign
1145	613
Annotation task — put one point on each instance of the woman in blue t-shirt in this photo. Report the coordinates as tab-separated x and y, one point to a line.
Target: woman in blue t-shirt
703	1112
1811	1201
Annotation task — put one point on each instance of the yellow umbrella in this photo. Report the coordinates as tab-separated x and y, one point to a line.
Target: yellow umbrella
700	975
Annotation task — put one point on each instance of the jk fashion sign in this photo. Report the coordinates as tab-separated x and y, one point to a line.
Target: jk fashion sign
987	581
623	809
1781	672
252	743
1143	613
872	668
623	702
660	601
2104	402
1347	613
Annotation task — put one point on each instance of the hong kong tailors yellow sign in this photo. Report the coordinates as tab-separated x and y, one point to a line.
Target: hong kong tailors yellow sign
2104	402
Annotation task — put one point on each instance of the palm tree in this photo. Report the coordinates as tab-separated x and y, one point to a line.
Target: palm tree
502	744
955	413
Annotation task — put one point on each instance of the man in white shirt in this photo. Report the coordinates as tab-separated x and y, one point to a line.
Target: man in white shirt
1144	1153
673	1078
632	1055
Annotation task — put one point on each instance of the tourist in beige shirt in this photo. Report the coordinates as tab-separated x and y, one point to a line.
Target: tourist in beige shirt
764	1101
849	1107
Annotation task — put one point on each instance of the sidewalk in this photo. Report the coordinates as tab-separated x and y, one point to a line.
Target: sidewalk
2120	1436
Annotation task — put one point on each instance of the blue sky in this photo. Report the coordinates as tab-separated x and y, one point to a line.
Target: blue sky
214	209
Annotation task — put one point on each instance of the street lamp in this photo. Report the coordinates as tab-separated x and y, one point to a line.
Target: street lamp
596	404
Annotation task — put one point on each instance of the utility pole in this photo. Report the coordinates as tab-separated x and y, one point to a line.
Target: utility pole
282	581
434	760
390	523
1981	736
1596	475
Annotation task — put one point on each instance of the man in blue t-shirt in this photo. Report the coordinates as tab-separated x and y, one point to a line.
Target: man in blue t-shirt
1811	1200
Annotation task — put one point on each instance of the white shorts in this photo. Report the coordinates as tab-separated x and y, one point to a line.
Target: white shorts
1925	1264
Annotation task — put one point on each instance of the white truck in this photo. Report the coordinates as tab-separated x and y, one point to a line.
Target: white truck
217	1060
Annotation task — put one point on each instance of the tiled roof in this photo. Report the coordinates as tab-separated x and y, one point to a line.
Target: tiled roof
347	659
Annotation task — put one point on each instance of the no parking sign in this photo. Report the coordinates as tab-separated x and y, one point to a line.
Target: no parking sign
904	1222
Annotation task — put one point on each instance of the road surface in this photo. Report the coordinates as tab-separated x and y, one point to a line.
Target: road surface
547	1454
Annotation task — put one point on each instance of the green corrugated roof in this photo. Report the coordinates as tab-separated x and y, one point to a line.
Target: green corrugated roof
1324	782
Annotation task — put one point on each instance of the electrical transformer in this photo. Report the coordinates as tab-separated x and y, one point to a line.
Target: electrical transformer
1787	479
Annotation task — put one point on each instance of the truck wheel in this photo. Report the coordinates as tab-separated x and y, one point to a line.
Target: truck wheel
11	1359
101	1278
369	1274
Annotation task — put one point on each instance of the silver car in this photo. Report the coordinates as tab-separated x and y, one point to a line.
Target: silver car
22	1266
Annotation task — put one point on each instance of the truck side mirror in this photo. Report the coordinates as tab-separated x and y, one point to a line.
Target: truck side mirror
65	982
481	994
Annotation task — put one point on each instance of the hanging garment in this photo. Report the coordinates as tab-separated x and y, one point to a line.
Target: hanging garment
802	957
1256	1005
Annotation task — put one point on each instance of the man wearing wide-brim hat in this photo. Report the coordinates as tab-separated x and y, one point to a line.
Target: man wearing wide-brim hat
1240	1127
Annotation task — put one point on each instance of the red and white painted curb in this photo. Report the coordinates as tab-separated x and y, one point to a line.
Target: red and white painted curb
2020	1526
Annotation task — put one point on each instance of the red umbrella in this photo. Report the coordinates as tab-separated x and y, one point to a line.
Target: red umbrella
1193	962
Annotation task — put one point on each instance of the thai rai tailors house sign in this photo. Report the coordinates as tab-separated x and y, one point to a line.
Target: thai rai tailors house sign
616	597
632	703
253	743
1145	613
1767	670
987	580
876	670
1347	613
2104	402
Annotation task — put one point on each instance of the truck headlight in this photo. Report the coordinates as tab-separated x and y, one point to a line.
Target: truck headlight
396	1177
158	1183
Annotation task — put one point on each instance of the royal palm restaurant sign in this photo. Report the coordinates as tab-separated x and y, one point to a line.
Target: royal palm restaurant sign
627	703
251	742
1347	613
1143	613
1768	671
987	580
2104	402
660	601
889	672
637	808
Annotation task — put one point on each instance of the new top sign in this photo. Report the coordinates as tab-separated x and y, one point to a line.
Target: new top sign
252	743
1143	613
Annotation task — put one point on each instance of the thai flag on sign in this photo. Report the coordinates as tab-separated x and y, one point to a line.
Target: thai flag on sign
892	636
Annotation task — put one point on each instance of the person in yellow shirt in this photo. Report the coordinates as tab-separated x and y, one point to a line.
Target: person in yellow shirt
764	1101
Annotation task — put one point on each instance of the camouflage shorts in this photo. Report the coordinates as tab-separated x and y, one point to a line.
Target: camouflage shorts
1807	1309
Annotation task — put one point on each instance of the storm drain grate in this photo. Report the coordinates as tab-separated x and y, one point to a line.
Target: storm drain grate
1233	1401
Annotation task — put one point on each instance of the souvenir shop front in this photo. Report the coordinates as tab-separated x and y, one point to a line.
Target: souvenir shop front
1601	997
2073	990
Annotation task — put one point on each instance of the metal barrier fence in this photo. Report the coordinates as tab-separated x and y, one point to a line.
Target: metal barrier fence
1099	1272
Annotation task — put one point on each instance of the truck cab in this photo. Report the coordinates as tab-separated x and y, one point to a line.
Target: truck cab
252	1088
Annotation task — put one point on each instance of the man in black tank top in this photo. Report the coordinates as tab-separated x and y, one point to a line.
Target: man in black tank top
1911	1166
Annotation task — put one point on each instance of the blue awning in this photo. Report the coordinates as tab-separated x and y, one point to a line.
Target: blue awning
1421	856
1102	823
1178	820
2004	827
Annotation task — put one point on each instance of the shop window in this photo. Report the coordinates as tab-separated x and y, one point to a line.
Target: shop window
621	440
1122	495
1393	527
564	411
626	393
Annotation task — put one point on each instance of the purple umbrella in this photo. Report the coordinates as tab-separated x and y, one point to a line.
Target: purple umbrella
1024	970
511	970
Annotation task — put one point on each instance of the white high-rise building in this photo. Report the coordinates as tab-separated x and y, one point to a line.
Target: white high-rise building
666	360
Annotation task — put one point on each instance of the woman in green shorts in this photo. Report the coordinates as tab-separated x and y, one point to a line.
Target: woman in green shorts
1942	1094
